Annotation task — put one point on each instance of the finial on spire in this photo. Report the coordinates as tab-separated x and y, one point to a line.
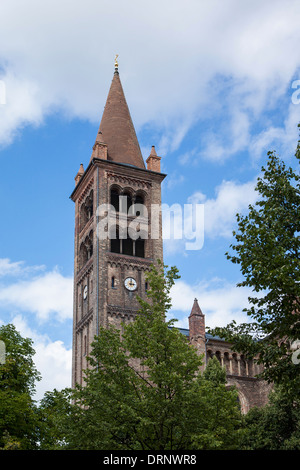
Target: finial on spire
116	62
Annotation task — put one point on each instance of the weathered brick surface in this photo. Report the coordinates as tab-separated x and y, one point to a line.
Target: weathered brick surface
240	372
106	303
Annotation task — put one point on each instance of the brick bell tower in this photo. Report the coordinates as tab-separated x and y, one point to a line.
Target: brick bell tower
116	200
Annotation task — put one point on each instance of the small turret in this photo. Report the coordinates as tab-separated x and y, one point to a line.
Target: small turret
197	329
153	161
196	322
79	174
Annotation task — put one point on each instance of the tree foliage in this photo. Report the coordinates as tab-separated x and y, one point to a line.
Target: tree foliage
275	426
18	412
267	249
144	390
54	412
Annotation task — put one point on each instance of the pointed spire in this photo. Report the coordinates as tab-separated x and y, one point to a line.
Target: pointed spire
79	174
116	129
153	152
196	310
153	161
196	322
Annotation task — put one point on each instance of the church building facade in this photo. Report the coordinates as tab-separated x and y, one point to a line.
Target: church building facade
110	262
240	372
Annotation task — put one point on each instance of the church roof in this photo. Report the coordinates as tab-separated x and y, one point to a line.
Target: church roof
116	129
186	332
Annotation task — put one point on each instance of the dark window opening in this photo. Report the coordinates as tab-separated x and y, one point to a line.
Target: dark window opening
83	255
115	246
114	199
127	246
139	204
140	248
86	250
85	346
90	251
86	210
126	202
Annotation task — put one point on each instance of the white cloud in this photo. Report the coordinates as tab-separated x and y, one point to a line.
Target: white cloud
39	298
219	300
52	359
233	137
219	214
49	294
283	140
174	180
9	268
23	106
175	63
17	268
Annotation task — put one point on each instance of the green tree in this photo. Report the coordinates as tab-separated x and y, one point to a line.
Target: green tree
268	252
144	389
54	414
275	426
18	412
220	425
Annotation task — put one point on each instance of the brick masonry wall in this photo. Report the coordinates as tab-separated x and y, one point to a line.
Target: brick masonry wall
105	304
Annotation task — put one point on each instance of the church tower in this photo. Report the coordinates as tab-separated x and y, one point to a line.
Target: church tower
118	227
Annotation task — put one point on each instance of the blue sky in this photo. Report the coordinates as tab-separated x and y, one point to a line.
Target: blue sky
210	84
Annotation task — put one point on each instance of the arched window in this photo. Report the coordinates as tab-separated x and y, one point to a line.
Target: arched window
86	210
235	367
83	216
227	362
89	205
83	255
89	244
243	368
86	250
209	354
122	240
218	356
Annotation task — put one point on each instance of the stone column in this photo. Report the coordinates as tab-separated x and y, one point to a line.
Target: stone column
230	363
239	364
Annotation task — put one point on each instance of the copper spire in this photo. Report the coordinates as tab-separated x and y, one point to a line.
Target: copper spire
116	128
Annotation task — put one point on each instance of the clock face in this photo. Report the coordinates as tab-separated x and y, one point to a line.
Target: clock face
85	291
130	283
